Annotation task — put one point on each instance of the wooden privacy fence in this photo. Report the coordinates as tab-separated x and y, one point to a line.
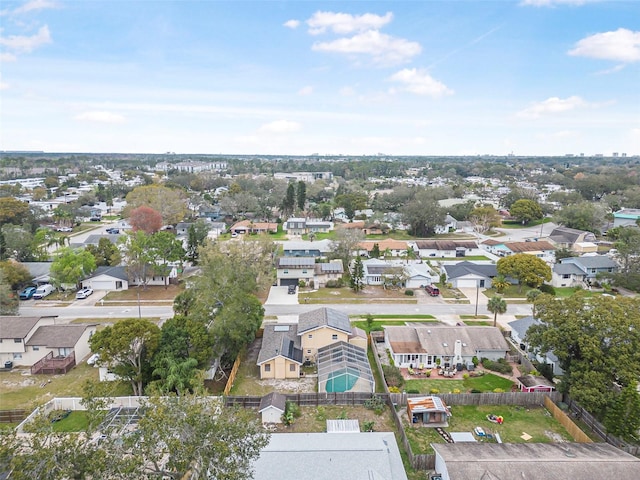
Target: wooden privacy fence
232	375
308	399
577	434
12	416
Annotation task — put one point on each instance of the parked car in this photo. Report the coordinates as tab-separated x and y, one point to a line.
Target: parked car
93	359
42	291
27	293
113	231
64	229
291	290
84	292
432	290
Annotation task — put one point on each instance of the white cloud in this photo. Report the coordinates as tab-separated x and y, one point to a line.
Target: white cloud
25	44
293	24
551	106
344	23
7	57
34	5
4	85
382	48
100	117
420	82
622	45
280	126
347	91
307	90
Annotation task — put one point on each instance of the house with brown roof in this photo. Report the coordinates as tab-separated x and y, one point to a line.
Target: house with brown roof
38	343
447	347
571	238
248	226
396	248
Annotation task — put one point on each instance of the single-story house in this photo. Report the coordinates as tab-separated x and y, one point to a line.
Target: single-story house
396	248
519	330
330	455
247	226
626	217
469	274
450	225
540	248
518	461
95	240
39	271
429	347
578	271
419	275
564	237
108	278
535	383
272	407
446	248
428	410
306	248
38	343
216	229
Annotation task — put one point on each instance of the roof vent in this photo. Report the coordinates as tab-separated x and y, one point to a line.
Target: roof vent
464	344
429	332
445	345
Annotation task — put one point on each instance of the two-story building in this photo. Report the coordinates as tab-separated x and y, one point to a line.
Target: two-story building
581	271
303	226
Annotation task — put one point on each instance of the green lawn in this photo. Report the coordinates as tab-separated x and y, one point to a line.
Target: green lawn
345	294
516	224
535	421
77	421
473	317
485	383
478	323
377	325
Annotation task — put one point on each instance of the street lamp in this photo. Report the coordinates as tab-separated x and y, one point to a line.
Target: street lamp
477	292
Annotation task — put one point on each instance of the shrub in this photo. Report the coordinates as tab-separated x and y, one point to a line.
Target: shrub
409	293
465	376
544	288
376	404
428	373
433	391
302	284
368	426
394	390
498	390
331	284
501	366
321	414
456	390
392	376
475	361
475	390
413	390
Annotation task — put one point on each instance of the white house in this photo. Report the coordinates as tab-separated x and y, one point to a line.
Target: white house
469	274
108	278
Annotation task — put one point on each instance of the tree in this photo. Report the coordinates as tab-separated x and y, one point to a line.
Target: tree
582	216
136	247
352	202
516	194
496	305
484	218
345	243
12	210
15	274
532	296
18	242
423	214
623	416
500	283
196	235
563	252
171	203
357	275
8	299
163	249
71	266
177	374
289	202
375	251
105	253
526	210
597	342
127	348
146	219
301	195
527	269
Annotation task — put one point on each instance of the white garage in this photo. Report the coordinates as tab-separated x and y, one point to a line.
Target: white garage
108	278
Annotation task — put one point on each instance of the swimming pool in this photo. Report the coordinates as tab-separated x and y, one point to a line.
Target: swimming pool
342	380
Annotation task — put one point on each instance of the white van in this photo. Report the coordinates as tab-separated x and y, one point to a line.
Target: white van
42	291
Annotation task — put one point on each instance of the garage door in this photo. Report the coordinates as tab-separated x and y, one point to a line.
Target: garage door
465	283
285	282
102	284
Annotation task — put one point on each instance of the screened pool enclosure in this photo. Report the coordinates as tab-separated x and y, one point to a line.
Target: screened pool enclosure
343	367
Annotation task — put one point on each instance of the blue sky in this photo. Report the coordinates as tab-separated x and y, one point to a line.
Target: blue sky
532	77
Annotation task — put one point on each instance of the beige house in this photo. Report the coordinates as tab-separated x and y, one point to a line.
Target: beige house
286	346
37	343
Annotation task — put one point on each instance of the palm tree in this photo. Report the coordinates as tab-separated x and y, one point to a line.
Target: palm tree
532	295
496	305
500	283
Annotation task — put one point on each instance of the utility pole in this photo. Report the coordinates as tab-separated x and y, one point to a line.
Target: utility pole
477	293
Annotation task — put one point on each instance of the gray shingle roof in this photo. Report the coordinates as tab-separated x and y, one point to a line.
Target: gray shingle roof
57	336
468	268
567	269
521	325
533	380
591	261
296	262
332	267
280	339
273	399
119	272
16	327
445	244
324	317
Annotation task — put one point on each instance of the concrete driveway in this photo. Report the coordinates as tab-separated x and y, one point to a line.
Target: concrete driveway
470	293
280	296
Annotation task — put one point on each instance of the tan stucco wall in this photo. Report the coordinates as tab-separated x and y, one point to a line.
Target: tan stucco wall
280	368
359	342
320	338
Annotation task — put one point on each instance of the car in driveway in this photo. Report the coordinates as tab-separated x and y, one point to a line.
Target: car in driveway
291	290
84	293
113	231
64	229
27	293
43	291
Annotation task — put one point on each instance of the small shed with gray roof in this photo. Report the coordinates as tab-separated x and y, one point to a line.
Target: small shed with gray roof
272	407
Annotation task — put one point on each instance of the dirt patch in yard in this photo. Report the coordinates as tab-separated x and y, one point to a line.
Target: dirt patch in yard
314	419
297	385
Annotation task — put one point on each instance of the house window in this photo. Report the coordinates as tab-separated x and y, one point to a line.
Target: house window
310	336
17	340
309	351
17	356
292	367
304	271
566	275
286	272
35	349
267	367
334	336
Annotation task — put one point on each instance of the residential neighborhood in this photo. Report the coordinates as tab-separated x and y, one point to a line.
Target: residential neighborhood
331	312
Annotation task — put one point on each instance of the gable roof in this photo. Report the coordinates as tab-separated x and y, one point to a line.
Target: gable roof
437	340
445	244
567	269
591	261
119	272
329	267
273	399
567	235
321	245
519	247
389	243
38	270
280	339
323	317
534	380
521	325
57	336
469	268
16	327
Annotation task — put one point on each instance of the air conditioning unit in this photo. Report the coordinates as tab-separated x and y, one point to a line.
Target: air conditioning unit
436	477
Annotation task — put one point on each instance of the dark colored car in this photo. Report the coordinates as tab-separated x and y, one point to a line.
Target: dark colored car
27	293
292	289
432	290
113	231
